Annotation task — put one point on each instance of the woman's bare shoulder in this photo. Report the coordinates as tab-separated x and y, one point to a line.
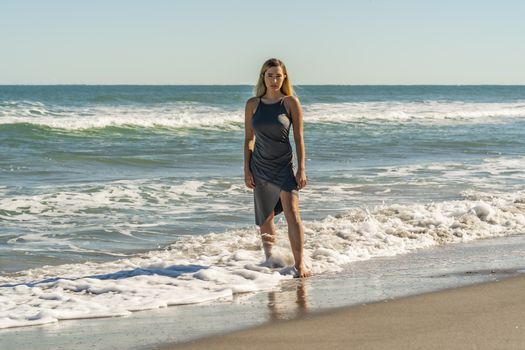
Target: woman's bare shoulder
252	101
291	102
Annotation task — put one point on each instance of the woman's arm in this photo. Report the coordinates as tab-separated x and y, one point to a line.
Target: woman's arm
297	122
249	141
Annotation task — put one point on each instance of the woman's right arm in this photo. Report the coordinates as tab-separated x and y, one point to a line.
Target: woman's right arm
249	141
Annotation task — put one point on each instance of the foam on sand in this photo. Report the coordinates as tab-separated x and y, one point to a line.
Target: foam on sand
217	266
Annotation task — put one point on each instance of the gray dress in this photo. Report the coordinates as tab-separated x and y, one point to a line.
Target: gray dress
271	162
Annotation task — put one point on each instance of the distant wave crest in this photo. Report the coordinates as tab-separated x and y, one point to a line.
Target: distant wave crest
184	115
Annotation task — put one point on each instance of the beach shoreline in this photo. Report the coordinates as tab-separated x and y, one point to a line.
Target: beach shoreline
366	282
485	315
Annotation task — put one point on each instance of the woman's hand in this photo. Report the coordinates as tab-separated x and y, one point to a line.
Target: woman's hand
300	177
248	179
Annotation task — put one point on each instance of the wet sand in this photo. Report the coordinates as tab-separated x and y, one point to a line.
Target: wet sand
483	316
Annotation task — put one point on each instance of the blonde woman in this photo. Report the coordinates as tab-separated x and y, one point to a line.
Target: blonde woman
268	154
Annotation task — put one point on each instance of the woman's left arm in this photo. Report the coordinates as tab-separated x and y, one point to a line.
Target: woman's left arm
297	121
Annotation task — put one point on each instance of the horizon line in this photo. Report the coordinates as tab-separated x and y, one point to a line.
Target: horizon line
246	84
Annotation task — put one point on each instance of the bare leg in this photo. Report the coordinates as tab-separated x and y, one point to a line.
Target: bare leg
268	235
295	230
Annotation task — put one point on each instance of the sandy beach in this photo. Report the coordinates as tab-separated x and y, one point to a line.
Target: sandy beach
482	316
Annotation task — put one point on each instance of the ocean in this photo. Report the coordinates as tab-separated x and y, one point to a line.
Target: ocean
115	199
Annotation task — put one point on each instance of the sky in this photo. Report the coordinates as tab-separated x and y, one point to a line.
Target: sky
226	41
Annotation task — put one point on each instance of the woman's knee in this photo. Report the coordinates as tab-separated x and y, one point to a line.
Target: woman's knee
292	215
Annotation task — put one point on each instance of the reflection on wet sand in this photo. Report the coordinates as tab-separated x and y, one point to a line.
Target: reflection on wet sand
290	302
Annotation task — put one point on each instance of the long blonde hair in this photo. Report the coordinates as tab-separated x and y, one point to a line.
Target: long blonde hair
260	87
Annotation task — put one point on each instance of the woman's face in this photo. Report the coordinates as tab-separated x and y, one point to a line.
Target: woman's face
274	78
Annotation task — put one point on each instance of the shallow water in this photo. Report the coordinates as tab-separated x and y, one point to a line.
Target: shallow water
361	282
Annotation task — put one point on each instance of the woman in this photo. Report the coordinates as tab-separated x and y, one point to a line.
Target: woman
268	166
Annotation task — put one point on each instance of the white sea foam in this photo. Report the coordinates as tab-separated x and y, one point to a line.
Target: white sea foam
217	266
500	170
137	209
85	199
195	115
422	112
44	221
170	115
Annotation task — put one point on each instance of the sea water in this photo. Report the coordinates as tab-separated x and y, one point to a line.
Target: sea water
115	199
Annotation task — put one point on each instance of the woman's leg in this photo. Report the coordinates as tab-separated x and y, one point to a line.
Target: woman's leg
290	202
268	235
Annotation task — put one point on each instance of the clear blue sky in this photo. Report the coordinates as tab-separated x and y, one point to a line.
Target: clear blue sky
226	41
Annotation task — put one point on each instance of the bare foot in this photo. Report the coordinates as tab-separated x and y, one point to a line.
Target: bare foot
302	272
